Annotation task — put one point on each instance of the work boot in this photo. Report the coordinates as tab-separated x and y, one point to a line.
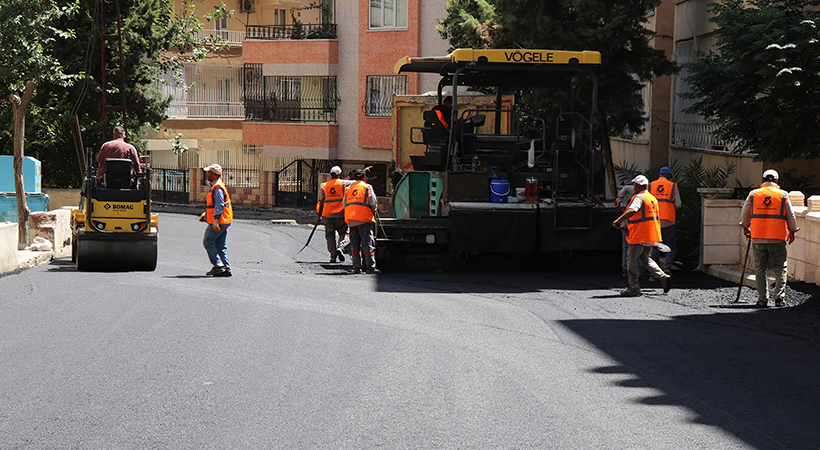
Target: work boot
762	303
667	284
357	270
630	293
224	273
779	303
215	270
340	255
333	258
372	271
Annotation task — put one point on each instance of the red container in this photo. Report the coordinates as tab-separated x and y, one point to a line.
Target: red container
531	194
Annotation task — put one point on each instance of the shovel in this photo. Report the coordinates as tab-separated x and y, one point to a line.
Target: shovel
743	272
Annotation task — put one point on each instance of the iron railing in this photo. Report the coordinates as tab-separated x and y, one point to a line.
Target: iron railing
169	185
380	91
289	98
233	37
699	135
296	31
203	91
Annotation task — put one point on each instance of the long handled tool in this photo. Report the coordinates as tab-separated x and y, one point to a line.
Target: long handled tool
743	272
309	238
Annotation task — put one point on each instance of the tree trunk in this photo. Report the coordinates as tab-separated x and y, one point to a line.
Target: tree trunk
607	149
18	106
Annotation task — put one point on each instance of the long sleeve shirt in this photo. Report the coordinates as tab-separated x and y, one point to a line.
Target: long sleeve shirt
219	200
371	201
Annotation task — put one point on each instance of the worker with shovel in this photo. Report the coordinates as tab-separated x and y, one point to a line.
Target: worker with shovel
768	220
643	233
330	210
360	212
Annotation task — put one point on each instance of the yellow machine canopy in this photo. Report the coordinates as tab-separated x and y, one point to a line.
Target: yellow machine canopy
516	59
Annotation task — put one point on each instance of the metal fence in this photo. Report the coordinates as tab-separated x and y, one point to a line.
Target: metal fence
297	183
289	98
203	91
169	185
295	31
699	135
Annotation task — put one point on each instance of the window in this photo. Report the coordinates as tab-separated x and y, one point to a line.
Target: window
380	91
280	17
221	26
388	13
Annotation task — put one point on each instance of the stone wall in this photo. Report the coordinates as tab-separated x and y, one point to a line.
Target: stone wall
723	242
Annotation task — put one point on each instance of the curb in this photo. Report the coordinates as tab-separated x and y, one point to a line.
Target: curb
729	273
27	259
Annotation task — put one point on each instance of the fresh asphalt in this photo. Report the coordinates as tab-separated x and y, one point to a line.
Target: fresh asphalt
294	352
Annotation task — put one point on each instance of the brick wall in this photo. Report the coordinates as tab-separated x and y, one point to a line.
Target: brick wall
262	196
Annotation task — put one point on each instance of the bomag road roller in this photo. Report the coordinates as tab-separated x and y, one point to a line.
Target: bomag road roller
113	229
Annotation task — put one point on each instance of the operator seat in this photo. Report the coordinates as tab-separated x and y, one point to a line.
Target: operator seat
118	173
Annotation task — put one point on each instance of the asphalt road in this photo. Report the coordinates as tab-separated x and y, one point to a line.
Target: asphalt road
293	352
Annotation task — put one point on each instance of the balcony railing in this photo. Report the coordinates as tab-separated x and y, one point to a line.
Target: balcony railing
298	31
289	98
206	110
699	135
233	37
203	91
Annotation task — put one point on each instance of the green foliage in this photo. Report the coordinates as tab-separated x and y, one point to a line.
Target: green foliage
615	29
790	181
155	38
760	83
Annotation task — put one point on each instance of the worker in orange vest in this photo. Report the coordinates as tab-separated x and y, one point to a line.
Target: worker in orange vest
768	220
219	216
330	210
360	207
668	195
644	231
444	111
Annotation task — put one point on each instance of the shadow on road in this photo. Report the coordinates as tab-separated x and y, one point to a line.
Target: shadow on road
759	386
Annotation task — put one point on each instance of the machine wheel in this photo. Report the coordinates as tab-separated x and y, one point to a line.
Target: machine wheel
114	255
74	248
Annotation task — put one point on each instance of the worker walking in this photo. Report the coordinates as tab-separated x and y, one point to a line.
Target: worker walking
668	195
360	206
623	200
643	232
219	215
768	220
330	210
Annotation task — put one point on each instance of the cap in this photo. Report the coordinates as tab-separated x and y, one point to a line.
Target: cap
771	175
665	169
358	174
640	179
215	168
336	170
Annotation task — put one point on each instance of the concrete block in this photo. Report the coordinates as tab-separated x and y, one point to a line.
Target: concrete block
721	234
797	271
798	249
287	222
813	203
54	226
8	246
721	254
797	198
722	216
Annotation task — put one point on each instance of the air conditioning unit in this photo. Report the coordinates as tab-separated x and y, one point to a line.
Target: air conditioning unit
247	6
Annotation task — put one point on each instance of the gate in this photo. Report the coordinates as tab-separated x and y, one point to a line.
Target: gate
169	185
297	183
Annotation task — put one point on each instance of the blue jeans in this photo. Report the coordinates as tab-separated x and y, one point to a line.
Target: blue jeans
216	244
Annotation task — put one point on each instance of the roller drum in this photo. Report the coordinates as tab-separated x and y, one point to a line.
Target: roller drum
94	253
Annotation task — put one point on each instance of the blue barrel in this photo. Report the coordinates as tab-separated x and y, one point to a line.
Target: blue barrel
499	190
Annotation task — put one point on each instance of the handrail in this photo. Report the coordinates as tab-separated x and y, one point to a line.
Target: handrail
298	31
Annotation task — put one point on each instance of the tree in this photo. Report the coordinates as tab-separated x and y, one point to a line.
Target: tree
29	30
616	29
155	38
761	85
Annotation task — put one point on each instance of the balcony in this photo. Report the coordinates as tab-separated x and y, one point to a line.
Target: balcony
234	38
699	135
295	32
289	98
203	91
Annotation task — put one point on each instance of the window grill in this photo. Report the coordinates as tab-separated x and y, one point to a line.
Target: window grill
289	98
380	91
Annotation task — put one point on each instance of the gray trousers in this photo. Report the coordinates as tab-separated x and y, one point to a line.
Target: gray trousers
333	226
362	246
668	238
639	255
774	256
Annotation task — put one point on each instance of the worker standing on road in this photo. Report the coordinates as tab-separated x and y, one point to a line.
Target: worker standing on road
623	200
768	220
360	206
219	215
644	231
668	195
117	149
330	210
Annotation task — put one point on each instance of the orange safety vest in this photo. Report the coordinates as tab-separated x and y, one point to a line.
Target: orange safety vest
356	206
443	120
644	225
334	194
769	213
227	211
664	191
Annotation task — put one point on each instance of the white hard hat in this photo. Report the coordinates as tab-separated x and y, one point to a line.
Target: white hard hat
215	168
640	179
336	170
771	175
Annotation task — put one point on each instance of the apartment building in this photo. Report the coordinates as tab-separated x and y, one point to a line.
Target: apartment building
304	79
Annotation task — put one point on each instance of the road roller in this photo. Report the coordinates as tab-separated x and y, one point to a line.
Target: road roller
113	229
